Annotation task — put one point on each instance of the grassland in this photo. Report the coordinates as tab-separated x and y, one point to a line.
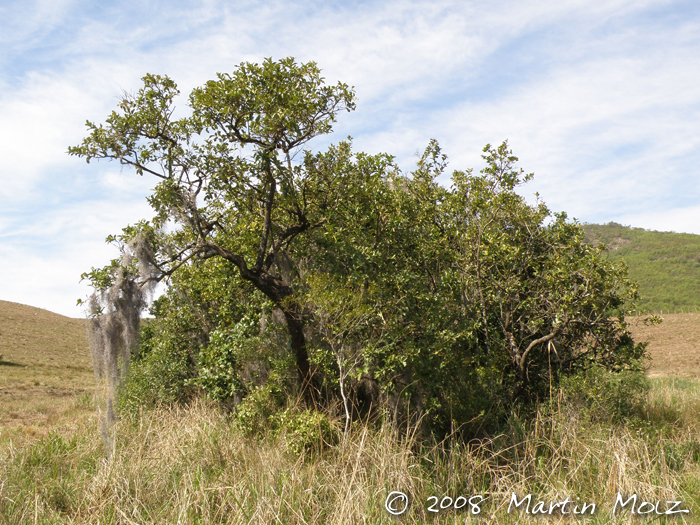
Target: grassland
46	377
666	265
194	466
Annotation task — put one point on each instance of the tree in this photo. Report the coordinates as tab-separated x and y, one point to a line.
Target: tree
228	176
394	289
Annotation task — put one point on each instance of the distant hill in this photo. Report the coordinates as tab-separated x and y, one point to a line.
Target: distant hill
31	335
666	265
46	376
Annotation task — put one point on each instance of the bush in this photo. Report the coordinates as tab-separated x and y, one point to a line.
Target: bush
254	415
306	430
606	396
160	377
220	361
420	281
262	414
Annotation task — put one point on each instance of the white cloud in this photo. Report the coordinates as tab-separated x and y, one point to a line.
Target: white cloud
42	260
25	23
664	220
602	134
599	99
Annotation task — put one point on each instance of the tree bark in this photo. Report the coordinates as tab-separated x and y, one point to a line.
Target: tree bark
293	315
295	328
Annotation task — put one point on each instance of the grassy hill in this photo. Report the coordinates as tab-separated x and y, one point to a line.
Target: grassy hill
46	376
666	265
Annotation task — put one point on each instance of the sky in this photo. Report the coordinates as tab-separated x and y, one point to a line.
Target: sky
599	99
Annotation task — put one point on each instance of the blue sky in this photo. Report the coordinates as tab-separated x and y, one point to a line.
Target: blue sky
599	99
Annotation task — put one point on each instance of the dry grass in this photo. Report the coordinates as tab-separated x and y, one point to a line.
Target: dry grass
46	377
674	345
192	466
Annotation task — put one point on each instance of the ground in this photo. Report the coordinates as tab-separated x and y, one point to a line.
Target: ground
674	345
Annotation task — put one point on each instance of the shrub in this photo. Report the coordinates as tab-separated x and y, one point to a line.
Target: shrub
420	281
255	413
304	430
605	395
160	377
220	361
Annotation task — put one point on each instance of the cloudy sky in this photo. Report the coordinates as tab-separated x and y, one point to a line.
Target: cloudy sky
601	100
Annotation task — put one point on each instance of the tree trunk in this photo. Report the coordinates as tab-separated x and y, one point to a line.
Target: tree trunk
279	292
295	328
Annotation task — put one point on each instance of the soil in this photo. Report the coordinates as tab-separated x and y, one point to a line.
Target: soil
674	345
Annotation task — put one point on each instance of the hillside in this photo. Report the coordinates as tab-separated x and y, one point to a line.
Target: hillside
45	370
666	265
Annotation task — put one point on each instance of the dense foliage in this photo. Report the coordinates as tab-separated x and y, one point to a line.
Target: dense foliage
665	264
381	288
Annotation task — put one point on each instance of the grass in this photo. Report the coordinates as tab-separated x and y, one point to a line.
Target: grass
193	466
46	377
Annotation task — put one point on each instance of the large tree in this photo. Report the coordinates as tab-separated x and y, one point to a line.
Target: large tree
231	179
458	301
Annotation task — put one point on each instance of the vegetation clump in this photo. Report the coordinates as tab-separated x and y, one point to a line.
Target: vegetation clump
337	277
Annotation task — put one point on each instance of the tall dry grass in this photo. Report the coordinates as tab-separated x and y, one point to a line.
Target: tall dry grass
193	466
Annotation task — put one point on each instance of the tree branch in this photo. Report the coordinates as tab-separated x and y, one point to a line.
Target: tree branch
533	344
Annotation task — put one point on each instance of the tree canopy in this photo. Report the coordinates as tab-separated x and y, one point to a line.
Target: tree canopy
380	287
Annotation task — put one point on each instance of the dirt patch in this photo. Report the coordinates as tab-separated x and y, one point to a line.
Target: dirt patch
618	242
674	345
